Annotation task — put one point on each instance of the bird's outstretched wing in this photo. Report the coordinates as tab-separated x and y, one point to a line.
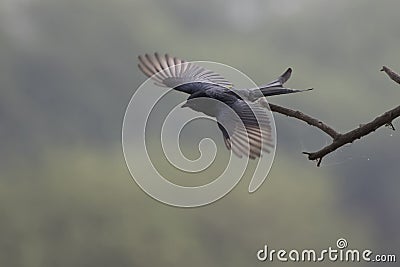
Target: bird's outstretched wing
250	132
172	72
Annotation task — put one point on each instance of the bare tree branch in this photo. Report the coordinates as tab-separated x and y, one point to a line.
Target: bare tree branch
393	75
338	139
306	118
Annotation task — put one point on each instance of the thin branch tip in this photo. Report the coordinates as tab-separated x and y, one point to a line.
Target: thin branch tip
392	74
339	139
390	126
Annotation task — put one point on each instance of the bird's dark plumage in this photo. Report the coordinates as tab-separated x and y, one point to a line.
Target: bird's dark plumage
244	122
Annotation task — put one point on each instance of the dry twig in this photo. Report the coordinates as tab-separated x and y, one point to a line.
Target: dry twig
339	139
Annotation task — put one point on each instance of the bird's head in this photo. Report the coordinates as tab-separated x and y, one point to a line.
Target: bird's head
185	105
192	101
190	104
200	104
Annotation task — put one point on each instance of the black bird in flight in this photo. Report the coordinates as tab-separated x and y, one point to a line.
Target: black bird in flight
249	136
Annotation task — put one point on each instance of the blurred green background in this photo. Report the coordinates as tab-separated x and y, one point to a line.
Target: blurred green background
68	70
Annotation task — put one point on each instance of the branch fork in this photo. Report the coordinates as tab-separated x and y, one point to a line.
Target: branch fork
339	139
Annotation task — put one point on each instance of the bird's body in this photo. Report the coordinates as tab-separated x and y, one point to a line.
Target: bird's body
244	122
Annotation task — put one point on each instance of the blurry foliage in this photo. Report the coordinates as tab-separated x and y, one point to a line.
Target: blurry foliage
68	69
81	208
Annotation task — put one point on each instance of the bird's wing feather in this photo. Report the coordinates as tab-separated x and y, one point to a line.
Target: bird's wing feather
250	132
175	73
